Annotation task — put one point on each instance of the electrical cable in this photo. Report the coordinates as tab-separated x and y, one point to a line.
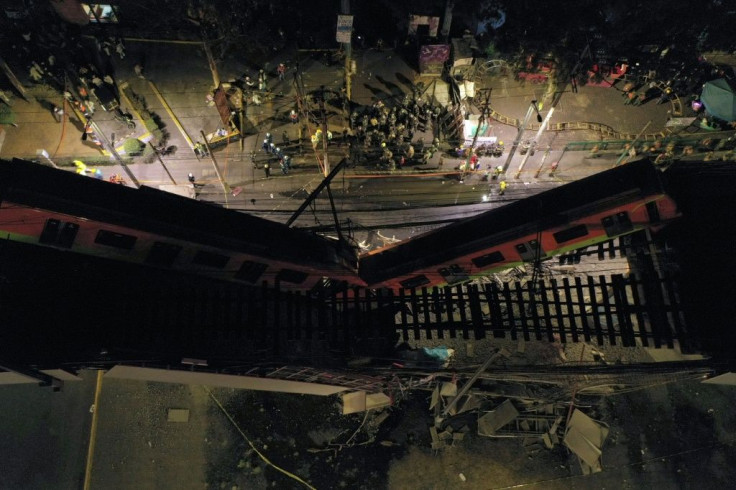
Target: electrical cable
255	449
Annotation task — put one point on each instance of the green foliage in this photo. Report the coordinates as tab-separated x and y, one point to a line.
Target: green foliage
150	124
490	51
133	147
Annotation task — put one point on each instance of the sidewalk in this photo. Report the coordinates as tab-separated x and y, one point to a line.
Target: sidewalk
37	129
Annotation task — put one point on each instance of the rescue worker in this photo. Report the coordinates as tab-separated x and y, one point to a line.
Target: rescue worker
200	149
58	113
501	187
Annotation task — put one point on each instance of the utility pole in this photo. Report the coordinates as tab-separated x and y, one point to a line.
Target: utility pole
113	152
469	384
324	133
13	79
481	120
241	120
447	21
533	145
225	187
158	155
348	47
213	65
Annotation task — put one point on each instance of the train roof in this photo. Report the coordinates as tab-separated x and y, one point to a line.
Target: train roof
544	210
159	212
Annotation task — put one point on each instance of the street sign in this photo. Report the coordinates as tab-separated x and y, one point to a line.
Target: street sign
344	28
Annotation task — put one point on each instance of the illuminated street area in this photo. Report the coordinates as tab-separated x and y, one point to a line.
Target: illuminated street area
357	244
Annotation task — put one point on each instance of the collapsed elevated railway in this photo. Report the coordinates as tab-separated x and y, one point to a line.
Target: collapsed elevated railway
45	207
254	289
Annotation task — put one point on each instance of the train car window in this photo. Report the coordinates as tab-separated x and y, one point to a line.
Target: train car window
570	233
250	271
50	231
624	221
292	276
163	254
68	235
414	282
59	233
117	240
488	259
617	224
609	224
210	259
653	212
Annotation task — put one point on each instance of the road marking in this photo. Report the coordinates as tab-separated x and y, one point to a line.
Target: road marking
93	433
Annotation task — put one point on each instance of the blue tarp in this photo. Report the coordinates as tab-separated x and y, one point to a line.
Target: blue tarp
719	99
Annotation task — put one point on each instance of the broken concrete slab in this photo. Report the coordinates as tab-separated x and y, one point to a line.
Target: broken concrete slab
360	401
353	402
547	441
585	438
448	389
435	397
377	400
433	434
470	403
492	421
728	378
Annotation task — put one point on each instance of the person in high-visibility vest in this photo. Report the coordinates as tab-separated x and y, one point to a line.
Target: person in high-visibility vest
501	187
81	167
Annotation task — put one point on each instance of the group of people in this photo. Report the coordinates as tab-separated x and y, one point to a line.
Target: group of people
255	88
275	153
389	132
638	95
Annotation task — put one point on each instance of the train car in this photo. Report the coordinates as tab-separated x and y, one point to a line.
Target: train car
53	208
583	213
